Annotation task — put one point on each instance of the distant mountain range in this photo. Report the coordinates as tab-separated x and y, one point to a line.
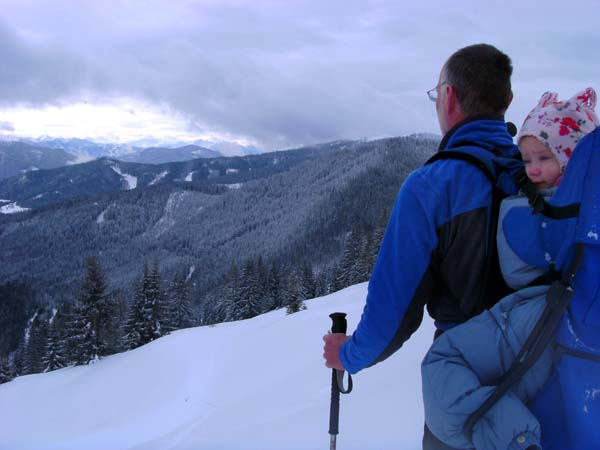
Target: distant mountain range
21	155
42	188
159	155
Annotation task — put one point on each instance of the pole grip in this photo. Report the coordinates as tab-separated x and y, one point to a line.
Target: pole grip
339	324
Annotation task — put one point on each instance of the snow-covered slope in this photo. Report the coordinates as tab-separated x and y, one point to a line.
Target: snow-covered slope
258	384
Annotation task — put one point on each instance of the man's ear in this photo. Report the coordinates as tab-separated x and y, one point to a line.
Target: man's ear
452	106
510	99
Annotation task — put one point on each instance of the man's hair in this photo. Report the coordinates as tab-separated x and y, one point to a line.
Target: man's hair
480	75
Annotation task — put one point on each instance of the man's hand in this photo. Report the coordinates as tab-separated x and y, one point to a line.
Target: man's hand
331	350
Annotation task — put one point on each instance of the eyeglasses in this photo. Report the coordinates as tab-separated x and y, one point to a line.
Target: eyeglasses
433	93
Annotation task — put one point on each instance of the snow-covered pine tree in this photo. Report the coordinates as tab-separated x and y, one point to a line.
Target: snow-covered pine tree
6	373
77	340
158	304
295	294
222	308
181	310
377	237
55	354
308	282
35	345
321	284
274	294
95	309
113	331
348	270
149	310
262	283
138	329
248	304
363	263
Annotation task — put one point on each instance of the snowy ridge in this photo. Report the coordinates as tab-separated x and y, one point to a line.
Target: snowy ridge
159	177
254	384
12	208
101	216
130	180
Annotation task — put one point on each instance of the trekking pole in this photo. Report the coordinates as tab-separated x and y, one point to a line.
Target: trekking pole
339	325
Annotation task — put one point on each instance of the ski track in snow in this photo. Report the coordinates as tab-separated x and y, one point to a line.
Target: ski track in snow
257	384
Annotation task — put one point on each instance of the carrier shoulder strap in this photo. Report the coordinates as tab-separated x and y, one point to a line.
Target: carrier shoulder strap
493	287
537	202
557	301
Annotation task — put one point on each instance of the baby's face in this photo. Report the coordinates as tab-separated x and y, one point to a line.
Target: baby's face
541	165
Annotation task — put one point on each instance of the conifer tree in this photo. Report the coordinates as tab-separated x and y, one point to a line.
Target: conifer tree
114	329
73	325
95	312
321	284
348	270
35	345
181	310
137	330
274	293
377	237
229	296
6	374
248	304
55	352
149	311
262	284
295	295
156	301
308	282
83	341
363	263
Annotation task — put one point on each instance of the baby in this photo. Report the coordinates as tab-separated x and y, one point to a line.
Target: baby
551	131
464	364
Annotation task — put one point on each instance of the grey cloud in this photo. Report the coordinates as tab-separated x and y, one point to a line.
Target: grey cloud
36	73
279	73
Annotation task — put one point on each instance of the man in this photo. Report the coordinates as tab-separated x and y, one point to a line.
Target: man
436	251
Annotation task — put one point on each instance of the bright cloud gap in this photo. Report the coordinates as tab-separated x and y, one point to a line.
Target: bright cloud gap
115	120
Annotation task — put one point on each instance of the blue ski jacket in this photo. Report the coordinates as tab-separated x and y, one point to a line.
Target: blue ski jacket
464	365
434	249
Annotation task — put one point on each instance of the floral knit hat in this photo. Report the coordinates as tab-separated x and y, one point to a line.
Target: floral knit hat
559	124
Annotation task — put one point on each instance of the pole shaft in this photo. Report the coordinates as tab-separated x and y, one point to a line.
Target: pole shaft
339	325
334	406
332	442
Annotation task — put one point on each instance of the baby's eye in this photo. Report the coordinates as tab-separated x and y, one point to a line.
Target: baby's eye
526	161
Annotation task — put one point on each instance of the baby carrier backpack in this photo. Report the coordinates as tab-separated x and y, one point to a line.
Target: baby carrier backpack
565	230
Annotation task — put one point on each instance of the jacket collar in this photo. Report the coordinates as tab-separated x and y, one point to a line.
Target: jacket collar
450	133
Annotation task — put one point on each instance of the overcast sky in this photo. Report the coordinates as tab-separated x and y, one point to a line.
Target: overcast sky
276	74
